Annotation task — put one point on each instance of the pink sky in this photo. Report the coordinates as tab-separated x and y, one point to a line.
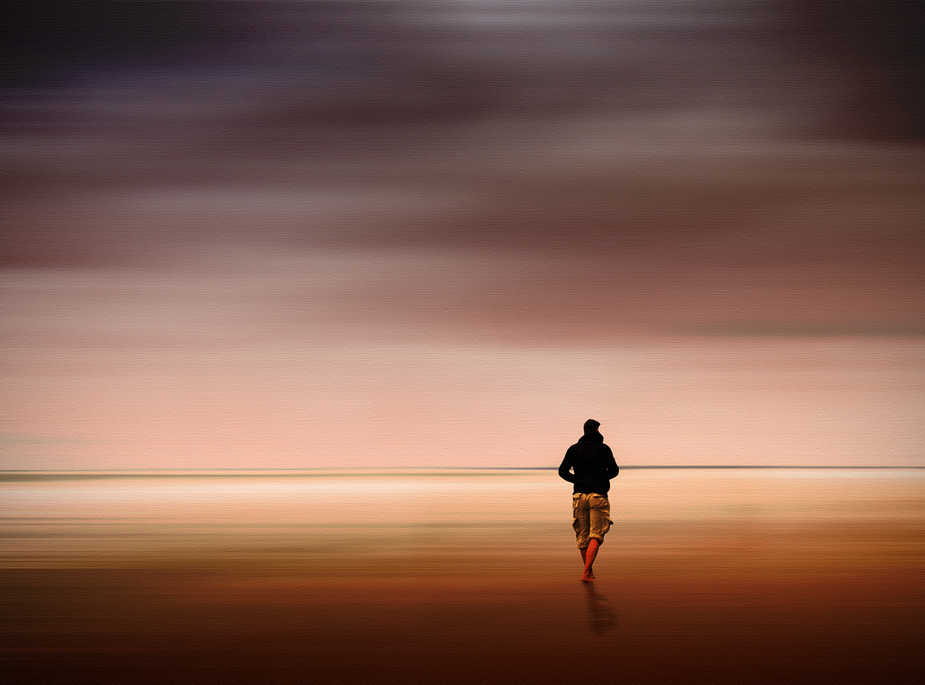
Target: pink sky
334	237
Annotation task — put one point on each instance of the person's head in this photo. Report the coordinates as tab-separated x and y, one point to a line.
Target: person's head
591	426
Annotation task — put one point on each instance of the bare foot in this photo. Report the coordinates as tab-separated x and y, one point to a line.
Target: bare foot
588	577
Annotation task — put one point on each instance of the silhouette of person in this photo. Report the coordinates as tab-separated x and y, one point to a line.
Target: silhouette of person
589	465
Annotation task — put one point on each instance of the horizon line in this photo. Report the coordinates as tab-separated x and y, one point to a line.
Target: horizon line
448	468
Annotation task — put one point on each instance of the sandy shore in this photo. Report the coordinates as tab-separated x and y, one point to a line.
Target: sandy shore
710	577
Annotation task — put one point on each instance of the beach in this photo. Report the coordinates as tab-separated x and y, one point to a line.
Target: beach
709	575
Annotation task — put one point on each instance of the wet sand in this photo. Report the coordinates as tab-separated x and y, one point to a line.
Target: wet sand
709	576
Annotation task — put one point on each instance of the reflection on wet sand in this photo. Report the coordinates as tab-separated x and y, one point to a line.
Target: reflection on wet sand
710	576
602	617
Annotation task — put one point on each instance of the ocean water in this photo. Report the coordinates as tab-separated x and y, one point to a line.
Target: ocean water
409	575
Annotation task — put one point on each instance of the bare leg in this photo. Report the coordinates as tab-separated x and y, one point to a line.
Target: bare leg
589	555
584	557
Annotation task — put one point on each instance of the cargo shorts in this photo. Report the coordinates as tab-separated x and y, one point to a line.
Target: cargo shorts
590	517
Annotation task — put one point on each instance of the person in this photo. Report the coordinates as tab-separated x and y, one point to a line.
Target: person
589	465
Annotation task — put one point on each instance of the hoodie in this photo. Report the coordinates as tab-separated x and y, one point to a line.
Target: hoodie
589	465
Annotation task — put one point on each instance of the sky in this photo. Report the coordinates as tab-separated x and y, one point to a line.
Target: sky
446	232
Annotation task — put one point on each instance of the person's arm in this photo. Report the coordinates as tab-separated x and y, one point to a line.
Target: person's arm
612	469
564	469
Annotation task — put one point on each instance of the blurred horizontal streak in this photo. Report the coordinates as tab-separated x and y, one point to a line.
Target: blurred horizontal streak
705	524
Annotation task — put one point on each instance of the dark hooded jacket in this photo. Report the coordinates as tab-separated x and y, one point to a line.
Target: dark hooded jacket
589	465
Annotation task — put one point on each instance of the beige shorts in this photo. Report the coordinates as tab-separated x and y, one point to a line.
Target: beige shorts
590	517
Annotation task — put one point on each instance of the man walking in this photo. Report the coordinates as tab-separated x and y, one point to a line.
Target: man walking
589	465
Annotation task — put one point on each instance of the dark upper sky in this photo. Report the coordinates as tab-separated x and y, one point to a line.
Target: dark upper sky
667	131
